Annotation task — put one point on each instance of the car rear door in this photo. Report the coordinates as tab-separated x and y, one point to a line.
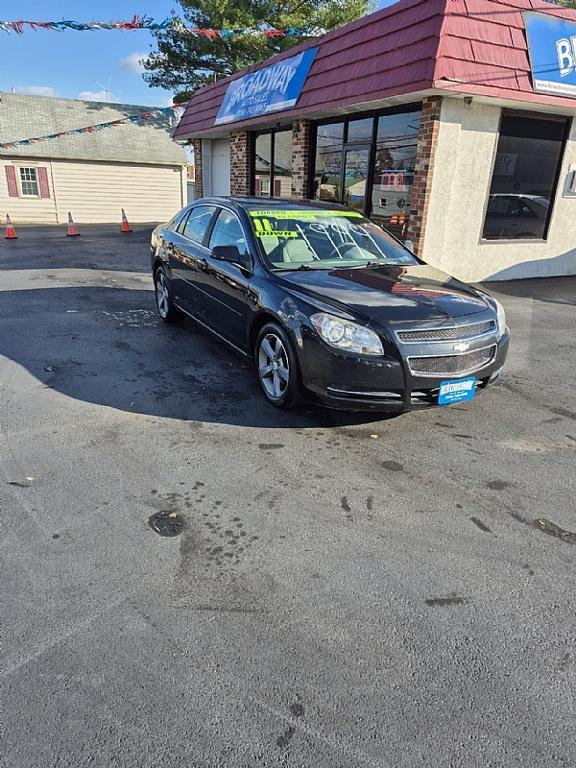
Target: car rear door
224	286
187	254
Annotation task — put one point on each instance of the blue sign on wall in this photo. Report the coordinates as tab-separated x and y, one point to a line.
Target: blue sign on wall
268	90
552	46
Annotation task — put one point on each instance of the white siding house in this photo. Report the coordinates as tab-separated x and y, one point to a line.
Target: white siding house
135	166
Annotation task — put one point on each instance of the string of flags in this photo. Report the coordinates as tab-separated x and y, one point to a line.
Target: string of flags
94	128
145	22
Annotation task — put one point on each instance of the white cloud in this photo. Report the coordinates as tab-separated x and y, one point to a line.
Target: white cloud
35	90
96	96
133	63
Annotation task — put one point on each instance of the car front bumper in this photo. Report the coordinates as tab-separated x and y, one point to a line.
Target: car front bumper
361	383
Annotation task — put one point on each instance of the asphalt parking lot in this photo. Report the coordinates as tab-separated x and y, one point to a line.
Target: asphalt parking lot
347	591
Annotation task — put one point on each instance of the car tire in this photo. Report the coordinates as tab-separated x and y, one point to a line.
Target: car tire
277	367
164	297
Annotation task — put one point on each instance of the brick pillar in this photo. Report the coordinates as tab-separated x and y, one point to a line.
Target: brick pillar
300	158
420	196
240	164
198	182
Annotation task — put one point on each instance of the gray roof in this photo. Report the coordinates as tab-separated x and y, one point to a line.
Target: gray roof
147	141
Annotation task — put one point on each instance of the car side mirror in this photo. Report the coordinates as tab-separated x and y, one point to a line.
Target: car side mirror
230	253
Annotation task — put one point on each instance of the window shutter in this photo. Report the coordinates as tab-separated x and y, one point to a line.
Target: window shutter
11	179
43	182
257	187
277	187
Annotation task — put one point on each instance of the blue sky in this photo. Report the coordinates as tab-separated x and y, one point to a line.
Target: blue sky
81	64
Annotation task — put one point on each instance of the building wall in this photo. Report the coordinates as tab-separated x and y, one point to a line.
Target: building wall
96	192
24	209
461	177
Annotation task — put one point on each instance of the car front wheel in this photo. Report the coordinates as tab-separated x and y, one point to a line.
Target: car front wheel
164	303
277	367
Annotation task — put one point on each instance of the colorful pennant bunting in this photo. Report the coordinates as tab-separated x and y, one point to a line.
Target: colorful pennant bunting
93	128
145	22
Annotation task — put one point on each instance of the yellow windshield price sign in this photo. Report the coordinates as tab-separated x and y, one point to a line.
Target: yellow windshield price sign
263	228
303	215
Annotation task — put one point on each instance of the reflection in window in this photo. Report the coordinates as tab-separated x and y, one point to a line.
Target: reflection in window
262	164
228	231
394	163
524	177
328	169
272	168
360	130
197	222
282	181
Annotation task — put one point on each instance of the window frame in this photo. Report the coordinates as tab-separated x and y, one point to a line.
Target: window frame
20	181
556	183
253	136
348	145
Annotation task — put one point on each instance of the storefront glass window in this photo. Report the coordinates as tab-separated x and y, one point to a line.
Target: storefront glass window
328	169
272	169
373	178
524	177
394	163
360	131
262	164
282	164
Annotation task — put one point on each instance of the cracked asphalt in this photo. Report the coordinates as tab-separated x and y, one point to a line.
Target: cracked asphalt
341	591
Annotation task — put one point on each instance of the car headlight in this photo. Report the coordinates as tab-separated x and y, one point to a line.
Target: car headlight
342	334
500	318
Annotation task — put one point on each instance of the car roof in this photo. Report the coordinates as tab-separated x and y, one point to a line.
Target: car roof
259	203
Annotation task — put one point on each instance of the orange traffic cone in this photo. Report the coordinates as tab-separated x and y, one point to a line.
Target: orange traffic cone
125	226
10	231
72	229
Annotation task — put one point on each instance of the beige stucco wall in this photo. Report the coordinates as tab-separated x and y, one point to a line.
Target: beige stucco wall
461	179
96	192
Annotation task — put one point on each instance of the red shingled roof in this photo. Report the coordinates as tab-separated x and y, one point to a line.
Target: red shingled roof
467	46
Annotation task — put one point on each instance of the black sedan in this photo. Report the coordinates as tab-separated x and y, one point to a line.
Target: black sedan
327	305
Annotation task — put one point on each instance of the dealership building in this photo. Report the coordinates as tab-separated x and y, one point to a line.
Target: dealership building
450	122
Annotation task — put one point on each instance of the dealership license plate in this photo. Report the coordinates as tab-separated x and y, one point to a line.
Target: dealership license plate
456	391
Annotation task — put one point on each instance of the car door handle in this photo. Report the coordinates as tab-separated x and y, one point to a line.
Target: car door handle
203	265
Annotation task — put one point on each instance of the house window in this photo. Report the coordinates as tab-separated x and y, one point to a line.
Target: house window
29	182
272	164
524	177
368	164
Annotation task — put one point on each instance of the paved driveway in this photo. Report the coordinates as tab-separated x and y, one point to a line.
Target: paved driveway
346	592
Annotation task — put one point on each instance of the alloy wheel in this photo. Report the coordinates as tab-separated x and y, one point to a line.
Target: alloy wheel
162	296
273	366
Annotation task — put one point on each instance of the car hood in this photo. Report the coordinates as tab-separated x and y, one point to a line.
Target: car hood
390	294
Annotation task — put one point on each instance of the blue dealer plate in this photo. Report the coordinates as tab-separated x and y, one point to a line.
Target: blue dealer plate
456	391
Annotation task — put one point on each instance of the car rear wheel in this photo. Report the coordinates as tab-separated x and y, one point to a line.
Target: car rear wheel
164	303
277	367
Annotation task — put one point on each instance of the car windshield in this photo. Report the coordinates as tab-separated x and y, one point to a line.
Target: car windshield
318	238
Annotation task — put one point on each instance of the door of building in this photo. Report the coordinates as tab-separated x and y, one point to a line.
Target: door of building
220	167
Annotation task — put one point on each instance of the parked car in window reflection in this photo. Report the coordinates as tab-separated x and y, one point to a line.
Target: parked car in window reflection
514	216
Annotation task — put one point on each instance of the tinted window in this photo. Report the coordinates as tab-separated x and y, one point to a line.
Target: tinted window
272	164
328	170
197	222
228	231
524	177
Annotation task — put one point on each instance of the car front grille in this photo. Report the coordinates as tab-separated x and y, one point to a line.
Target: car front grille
452	365
455	333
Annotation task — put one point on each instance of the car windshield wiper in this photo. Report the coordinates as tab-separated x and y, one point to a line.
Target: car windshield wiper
294	269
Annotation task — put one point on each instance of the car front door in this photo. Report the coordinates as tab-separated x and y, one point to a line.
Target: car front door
224	286
187	254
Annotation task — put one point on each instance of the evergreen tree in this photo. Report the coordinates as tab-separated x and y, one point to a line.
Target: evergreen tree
184	62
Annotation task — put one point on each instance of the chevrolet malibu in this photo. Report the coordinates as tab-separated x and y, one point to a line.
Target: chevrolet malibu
327	305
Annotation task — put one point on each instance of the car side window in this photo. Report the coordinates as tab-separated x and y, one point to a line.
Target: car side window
228	231
198	222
